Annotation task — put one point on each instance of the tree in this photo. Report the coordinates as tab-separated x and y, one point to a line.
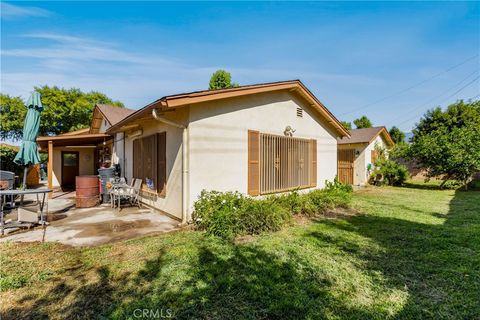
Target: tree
347	125
362	122
448	142
64	110
221	79
12	114
397	135
7	154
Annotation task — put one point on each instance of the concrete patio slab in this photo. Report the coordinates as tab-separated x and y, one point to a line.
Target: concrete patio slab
93	226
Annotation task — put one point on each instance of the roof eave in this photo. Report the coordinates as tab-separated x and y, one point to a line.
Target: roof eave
206	96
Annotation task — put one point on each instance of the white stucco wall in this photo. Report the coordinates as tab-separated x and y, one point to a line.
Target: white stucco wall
86	163
118	152
104	126
361	174
218	132
172	203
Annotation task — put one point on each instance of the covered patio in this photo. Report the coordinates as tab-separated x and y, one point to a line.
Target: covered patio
74	154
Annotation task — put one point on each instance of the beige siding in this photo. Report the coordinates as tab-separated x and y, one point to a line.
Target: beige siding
86	163
361	174
218	139
172	202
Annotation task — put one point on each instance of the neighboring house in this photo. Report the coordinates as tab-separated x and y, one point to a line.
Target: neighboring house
83	151
256	139
357	153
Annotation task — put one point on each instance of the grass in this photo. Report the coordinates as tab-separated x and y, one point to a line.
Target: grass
410	253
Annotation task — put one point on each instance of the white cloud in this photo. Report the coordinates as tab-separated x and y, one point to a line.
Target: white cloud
136	78
10	11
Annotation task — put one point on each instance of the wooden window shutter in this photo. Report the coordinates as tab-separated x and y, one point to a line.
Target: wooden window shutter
162	164
374	156
137	159
313	164
150	159
253	163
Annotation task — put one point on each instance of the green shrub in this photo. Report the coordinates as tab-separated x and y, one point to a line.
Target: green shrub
393	173
329	199
7	154
217	212
229	214
337	185
262	215
452	185
297	203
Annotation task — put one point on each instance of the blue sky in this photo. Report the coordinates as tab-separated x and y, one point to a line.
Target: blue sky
354	56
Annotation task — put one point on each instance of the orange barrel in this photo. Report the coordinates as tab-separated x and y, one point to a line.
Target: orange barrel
87	194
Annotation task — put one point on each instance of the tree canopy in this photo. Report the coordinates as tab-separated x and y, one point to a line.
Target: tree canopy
397	135
347	125
221	79
65	110
448	142
362	122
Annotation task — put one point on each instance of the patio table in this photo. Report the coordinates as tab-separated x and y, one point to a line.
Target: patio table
5	193
117	191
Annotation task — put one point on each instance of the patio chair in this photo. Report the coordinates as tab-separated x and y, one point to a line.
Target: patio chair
135	193
130	193
116	192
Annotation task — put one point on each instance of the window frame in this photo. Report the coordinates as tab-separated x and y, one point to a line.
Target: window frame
157	161
280	163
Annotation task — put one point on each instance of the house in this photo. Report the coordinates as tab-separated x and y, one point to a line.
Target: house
83	151
358	153
256	139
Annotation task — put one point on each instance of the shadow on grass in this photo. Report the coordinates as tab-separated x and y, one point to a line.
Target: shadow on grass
439	265
243	282
422	186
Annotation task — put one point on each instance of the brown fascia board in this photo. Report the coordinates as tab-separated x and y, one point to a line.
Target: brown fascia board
73	137
386	134
182	100
96	110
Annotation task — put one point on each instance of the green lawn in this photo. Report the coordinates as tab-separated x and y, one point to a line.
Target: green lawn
409	253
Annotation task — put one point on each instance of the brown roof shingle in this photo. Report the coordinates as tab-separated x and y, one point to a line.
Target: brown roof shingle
114	114
365	135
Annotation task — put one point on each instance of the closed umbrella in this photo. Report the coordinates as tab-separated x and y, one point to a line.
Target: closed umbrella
28	153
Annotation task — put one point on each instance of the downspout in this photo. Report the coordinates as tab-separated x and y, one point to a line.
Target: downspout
184	161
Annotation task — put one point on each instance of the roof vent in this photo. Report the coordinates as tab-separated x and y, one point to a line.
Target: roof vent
300	112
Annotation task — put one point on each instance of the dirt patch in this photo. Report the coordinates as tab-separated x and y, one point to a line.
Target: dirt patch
341	212
302	220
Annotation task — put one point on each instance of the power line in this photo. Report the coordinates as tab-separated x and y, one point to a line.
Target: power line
407	112
472	98
459	90
411	87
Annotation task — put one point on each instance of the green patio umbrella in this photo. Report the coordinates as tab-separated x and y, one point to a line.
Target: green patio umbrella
28	153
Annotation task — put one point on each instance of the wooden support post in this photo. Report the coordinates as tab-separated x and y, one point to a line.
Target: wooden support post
50	168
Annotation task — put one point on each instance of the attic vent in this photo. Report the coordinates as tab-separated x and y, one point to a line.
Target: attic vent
300	112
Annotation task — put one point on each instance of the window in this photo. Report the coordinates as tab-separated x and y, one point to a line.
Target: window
149	161
300	112
279	163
